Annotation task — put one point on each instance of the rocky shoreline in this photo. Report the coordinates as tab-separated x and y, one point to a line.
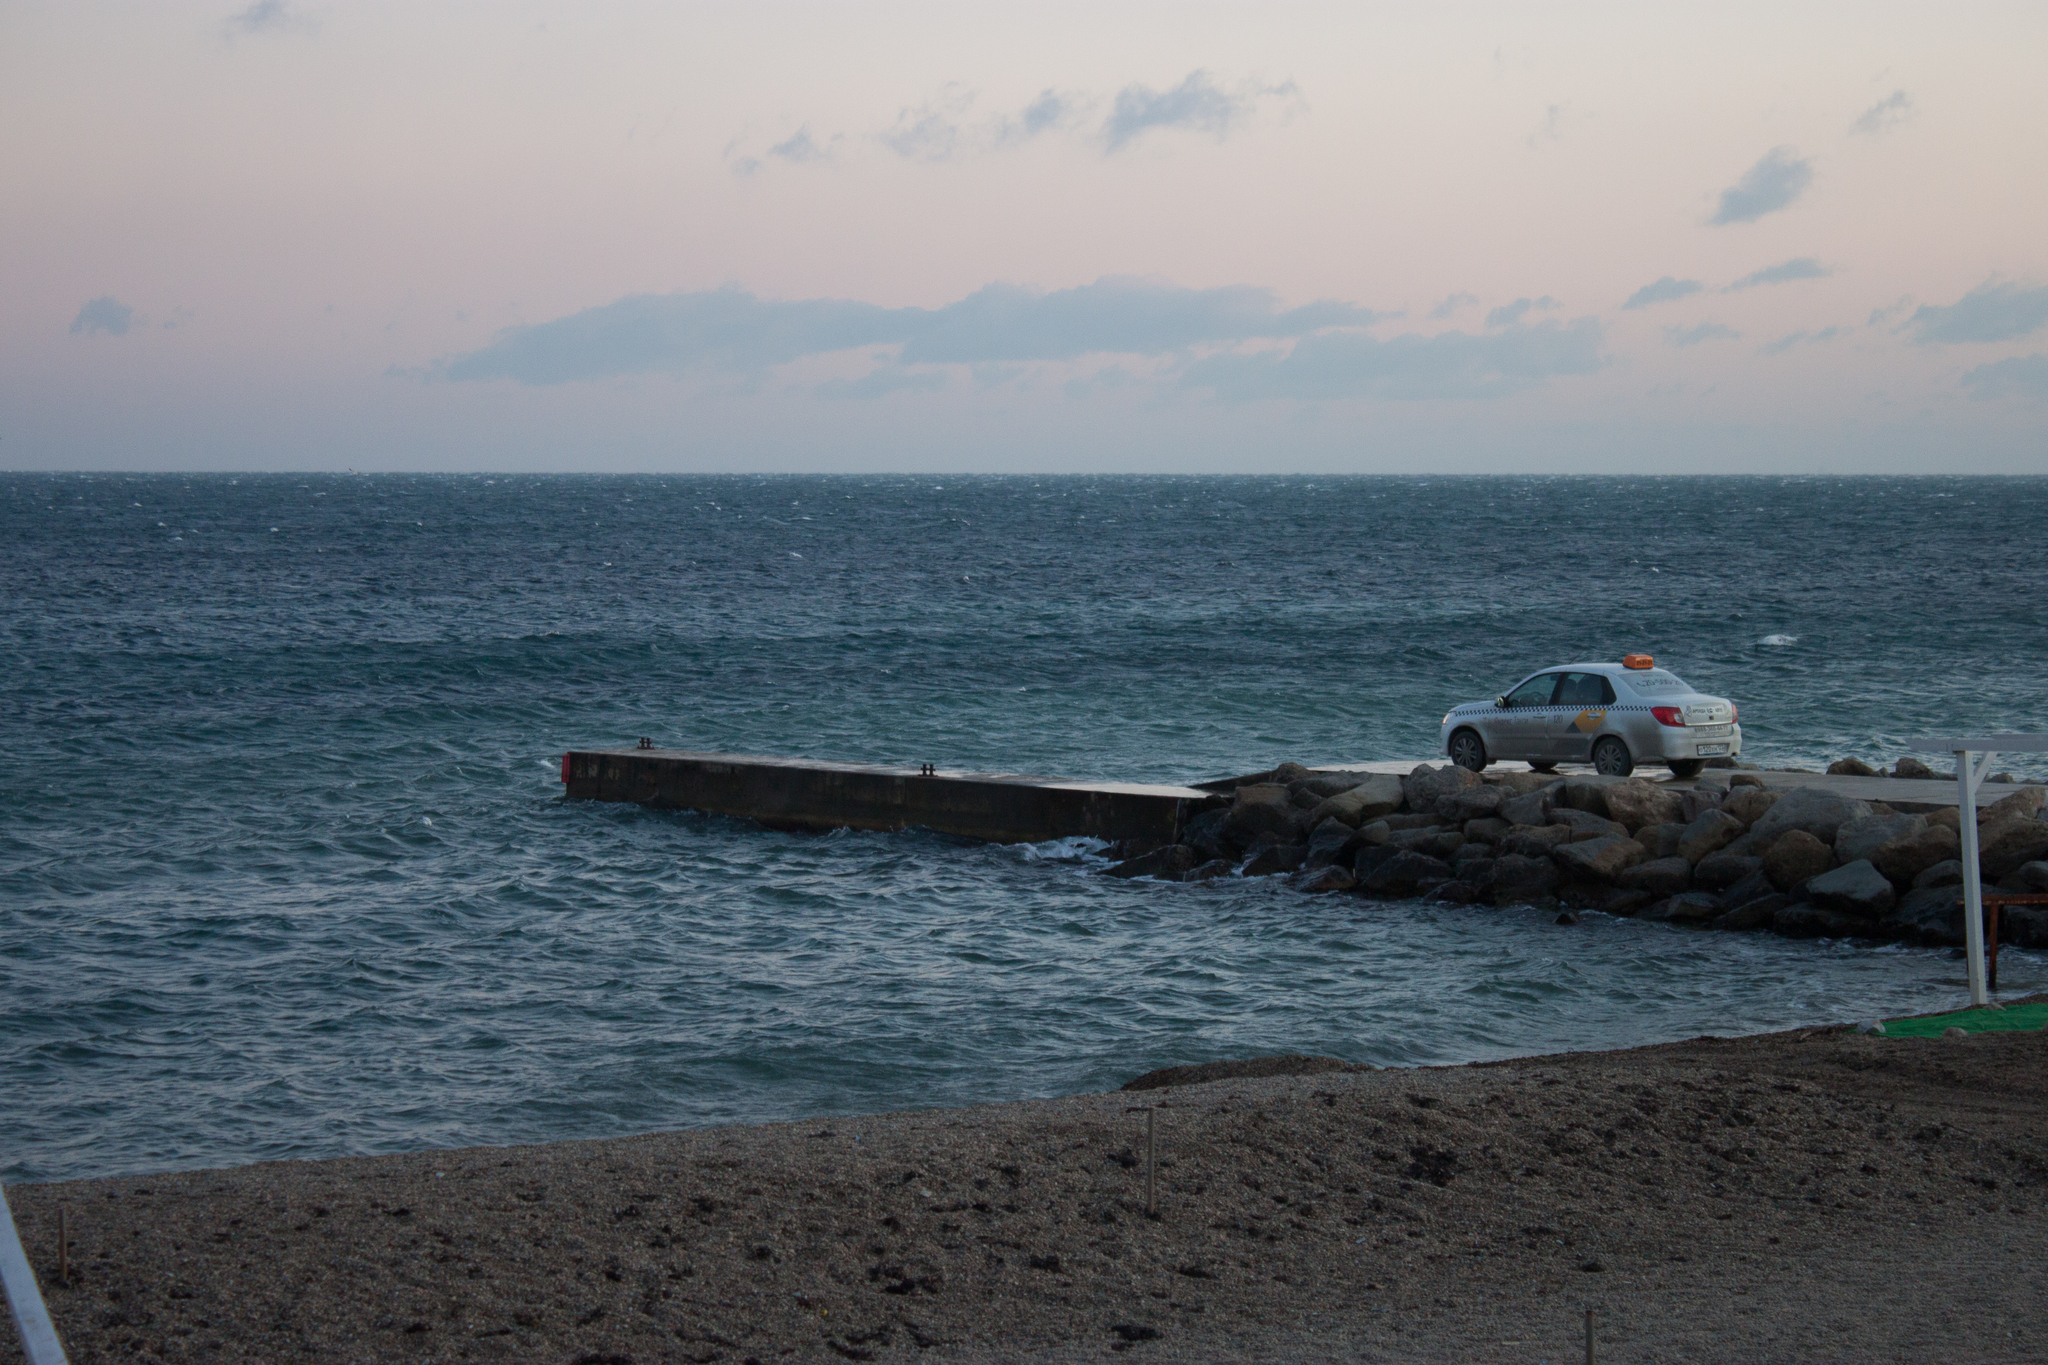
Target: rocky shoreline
1806	863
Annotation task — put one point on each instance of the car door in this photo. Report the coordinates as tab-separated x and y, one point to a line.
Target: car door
1576	714
1515	725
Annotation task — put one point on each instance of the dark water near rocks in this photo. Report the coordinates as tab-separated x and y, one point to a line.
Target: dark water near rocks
284	870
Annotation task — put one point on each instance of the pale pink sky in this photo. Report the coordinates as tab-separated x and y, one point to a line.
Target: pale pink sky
301	235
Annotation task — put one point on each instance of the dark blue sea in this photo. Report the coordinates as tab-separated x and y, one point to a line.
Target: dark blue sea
285	870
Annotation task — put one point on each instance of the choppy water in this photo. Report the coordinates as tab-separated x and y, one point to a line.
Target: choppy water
284	868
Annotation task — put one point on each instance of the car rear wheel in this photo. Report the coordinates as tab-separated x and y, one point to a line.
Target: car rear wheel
1611	758
1687	767
1468	750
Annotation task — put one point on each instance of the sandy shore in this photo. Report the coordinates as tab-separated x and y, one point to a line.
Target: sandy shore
1808	1196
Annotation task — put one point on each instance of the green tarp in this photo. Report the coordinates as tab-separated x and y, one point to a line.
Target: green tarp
2013	1018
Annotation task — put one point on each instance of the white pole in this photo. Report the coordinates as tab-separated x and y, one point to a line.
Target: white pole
1970	770
38	1338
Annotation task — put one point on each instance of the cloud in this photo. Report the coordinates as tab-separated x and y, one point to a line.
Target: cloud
1772	184
267	16
1513	312
1049	111
103	314
1786	343
731	330
1990	312
2022	376
881	382
1197	104
799	149
1452	304
1661	291
1888	113
930	132
1705	331
1800	268
1449	365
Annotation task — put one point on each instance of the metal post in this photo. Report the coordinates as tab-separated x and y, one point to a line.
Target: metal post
1151	1204
1589	1338
38	1337
1970	770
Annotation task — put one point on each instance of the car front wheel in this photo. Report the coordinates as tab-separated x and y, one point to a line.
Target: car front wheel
1611	758
1687	767
1468	750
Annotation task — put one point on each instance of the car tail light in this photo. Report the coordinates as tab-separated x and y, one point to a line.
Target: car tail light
1668	715
1734	713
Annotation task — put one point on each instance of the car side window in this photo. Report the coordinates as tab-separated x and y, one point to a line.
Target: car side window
1535	692
1584	689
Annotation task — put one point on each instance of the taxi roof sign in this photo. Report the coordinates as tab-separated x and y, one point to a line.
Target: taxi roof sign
1637	661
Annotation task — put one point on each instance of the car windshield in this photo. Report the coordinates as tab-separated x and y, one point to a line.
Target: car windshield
1656	681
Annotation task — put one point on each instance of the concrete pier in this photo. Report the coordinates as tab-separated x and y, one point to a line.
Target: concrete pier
789	793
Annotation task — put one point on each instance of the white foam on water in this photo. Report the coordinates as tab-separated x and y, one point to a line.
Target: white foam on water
1061	850
1779	640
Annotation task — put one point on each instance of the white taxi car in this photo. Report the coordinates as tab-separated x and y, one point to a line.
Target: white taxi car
1613	716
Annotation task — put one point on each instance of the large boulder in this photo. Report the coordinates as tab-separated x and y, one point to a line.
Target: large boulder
2033	876
1473	803
1262	812
1748	804
1485	831
1402	873
1854	889
1534	841
1377	795
1211	870
1948	873
1582	793
1521	783
1760	913
1723	869
1912	768
1603	858
1332	784
1374	832
1813	921
1167	864
1710	831
1586	825
1436	841
1326	879
1859	839
2004	846
1755	887
1636	803
1273	859
1422	787
1519	880
1431	820
1658	876
1903	860
1796	857
1691	907
1851	767
1662	840
1817	811
1694	801
1204	834
1531	809
1287	774
2024	926
2022	803
1927	914
1330	843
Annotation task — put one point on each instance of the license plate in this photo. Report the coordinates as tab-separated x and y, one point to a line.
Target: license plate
1713	751
1710	731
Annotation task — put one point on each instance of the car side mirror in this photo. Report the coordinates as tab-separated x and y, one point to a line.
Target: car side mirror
1500	701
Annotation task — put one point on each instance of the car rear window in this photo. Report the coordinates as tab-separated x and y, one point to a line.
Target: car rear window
1654	681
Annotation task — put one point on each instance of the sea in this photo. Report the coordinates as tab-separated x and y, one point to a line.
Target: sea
286	870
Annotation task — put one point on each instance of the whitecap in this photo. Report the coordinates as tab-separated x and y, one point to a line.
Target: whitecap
1779	640
1061	850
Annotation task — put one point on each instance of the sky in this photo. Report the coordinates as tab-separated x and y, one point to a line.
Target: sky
1106	237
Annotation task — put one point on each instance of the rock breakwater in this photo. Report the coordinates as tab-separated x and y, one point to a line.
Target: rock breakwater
1805	863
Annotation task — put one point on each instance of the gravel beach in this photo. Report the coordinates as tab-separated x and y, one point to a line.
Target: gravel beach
1813	1195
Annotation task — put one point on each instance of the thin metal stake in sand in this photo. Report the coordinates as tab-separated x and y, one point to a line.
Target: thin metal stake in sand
1151	1150
38	1338
1589	1337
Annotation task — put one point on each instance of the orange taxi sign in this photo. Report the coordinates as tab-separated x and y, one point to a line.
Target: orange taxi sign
1637	661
